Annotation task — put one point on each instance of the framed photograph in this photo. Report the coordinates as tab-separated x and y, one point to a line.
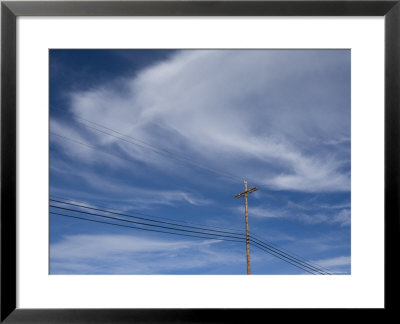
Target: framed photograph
163	159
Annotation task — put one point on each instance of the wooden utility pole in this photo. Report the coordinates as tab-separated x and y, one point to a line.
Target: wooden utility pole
246	217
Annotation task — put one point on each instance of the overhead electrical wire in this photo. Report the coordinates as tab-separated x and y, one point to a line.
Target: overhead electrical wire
258	243
167	153
256	237
292	258
142	223
144	229
299	265
181	158
163	152
67	199
141	218
144	144
252	237
176	176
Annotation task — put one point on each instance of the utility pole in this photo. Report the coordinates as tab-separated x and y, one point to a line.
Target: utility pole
246	217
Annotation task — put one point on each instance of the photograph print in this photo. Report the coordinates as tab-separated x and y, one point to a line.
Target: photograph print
199	162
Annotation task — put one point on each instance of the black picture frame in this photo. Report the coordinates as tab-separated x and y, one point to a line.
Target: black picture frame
10	10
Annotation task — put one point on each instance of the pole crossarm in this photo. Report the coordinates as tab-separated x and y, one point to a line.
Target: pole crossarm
246	192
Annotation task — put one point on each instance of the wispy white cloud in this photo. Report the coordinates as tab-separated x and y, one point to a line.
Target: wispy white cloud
304	215
334	206
135	196
129	254
343	217
250	110
334	262
261	212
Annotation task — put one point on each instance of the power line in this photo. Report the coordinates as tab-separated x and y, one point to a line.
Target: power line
274	251
178	158
293	263
238	231
200	226
92	147
142	223
128	160
289	252
294	259
123	158
163	152
143	229
218	238
175	156
142	218
253	236
147	145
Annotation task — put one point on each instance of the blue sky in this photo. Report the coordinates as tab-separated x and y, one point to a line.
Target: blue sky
199	123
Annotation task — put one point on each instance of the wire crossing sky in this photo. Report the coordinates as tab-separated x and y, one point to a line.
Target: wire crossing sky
173	134
174	230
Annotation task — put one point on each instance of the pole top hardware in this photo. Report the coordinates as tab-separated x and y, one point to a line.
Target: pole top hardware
246	192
